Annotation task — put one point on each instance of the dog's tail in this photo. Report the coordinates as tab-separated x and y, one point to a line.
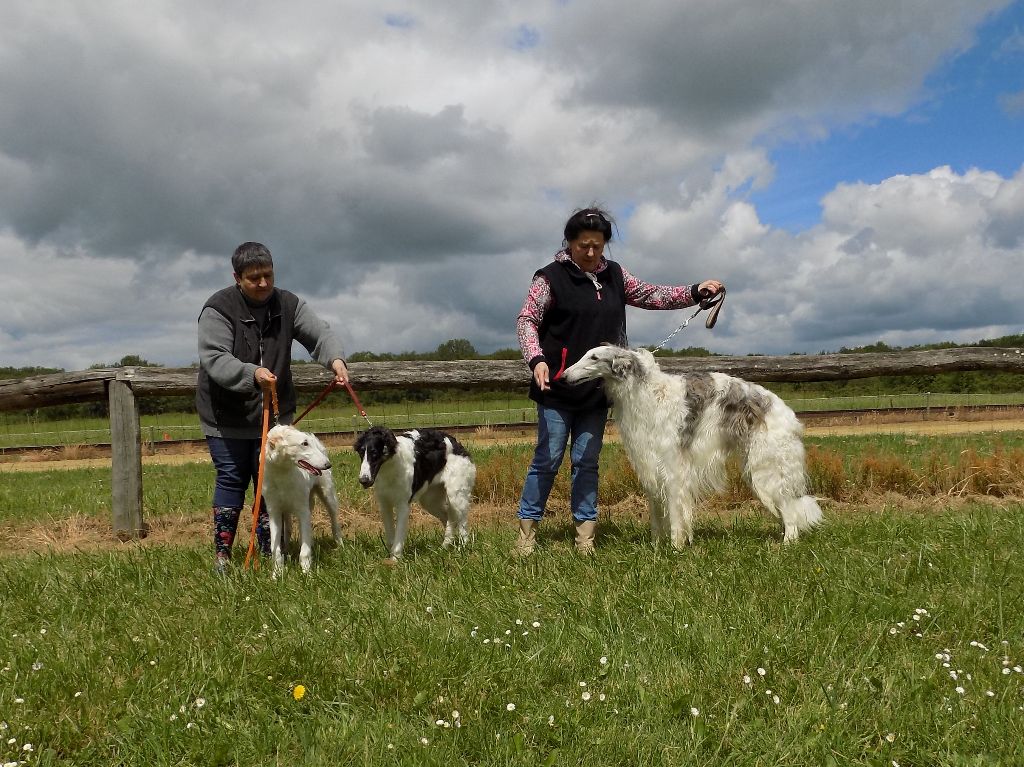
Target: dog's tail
803	512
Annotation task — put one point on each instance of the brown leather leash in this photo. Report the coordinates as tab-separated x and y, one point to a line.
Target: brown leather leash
320	398
713	302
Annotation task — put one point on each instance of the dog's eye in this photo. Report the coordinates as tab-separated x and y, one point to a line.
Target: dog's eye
305	443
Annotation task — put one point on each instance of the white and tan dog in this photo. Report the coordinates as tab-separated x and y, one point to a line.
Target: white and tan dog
297	469
678	432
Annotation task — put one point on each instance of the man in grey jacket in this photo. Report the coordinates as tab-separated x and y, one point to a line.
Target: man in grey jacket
245	340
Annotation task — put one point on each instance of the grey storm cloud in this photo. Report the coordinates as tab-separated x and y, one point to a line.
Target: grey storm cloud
411	167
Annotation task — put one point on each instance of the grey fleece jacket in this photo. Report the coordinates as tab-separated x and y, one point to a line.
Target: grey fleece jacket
216	342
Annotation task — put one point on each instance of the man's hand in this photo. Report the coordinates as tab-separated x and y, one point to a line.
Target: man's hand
340	372
264	378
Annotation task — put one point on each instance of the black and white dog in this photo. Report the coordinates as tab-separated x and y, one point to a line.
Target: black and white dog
426	466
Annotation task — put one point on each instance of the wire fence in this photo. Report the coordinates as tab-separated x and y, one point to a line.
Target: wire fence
953	410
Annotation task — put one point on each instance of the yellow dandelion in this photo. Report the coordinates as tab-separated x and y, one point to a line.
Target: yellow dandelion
299	692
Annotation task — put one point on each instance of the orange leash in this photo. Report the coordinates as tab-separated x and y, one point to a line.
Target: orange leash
355	399
259	477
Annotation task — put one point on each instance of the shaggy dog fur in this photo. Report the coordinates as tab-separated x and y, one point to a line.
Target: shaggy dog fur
678	432
426	466
297	469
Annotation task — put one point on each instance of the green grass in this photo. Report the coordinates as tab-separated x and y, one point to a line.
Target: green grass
185	489
143	657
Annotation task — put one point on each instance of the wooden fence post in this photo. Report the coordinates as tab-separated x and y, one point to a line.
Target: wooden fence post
125	459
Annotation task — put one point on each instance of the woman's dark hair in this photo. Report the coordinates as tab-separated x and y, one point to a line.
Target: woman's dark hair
249	255
591	219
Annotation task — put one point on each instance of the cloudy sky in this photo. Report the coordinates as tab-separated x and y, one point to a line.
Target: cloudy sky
853	172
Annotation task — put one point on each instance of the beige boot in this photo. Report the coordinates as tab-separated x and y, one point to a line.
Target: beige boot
585	537
527	540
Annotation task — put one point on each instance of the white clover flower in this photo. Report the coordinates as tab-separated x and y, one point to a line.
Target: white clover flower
3	726
583	684
604	660
775	699
1018	669
200	702
11	741
892	631
525	633
990	694
456	715
508	632
424	741
430	609
917	617
519	621
37	666
551	721
190	725
487	641
439	722
891	737
1005	672
536	624
585	695
174	717
42	631
746	679
953	675
19	701
960	690
694	711
510	707
152	663
761	671
28	747
391	746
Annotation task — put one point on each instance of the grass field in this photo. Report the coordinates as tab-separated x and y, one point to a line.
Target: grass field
886	637
883	638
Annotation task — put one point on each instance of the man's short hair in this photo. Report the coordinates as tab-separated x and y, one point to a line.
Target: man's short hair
249	255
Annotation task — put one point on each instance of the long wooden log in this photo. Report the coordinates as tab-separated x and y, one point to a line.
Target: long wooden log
85	386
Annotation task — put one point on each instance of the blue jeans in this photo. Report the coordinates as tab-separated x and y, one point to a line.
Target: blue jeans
237	462
554	429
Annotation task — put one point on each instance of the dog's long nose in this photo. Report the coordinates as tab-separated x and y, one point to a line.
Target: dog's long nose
328	466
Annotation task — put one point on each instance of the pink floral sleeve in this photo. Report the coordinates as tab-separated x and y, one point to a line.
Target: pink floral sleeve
647	296
538	300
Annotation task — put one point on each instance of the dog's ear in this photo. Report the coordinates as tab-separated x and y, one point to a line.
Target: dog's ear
625	365
390	443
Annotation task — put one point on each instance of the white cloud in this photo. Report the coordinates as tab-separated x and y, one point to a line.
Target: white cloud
411	166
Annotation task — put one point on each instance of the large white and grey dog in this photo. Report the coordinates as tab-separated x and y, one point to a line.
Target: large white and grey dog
426	466
297	470
679	430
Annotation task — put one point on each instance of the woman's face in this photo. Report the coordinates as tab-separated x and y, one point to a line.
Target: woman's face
586	250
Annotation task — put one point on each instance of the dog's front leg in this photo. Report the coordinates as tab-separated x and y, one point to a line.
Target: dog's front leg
656	512
680	515
276	548
401	529
306	538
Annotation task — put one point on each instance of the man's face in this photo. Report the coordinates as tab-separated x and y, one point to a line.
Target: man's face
257	283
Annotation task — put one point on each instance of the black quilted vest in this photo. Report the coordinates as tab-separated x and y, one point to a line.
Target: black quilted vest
580	318
269	347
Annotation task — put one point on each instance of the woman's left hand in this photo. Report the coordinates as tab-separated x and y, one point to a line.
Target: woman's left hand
709	288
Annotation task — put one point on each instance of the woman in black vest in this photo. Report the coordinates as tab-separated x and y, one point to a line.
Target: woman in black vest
245	344
575	303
